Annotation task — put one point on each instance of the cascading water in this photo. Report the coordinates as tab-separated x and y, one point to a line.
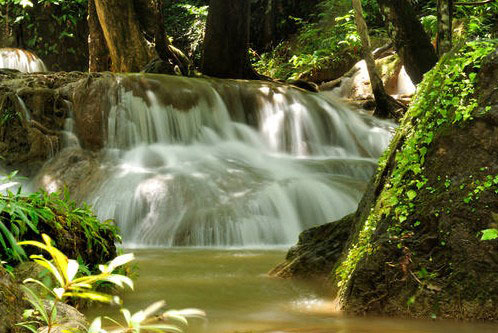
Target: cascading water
22	60
195	162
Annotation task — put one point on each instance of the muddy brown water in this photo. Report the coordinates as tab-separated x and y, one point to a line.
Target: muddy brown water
232	287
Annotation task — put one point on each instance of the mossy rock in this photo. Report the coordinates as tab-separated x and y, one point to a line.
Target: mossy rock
418	252
11	303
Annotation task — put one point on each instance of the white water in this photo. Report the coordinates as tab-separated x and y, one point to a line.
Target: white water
21	60
201	176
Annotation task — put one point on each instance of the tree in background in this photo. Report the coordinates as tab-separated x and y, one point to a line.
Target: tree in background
226	41
385	104
444	26
410	39
134	34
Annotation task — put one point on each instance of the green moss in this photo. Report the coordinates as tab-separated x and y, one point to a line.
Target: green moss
445	98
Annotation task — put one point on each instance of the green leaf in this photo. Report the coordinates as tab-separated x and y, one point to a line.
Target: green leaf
411	194
489	234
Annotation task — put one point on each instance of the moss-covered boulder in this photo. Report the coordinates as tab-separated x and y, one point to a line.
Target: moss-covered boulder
416	246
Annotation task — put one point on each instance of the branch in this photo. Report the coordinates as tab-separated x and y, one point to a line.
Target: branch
473	3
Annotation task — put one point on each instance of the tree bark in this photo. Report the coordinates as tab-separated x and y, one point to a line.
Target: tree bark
269	24
410	40
97	50
384	104
226	43
128	49
444	26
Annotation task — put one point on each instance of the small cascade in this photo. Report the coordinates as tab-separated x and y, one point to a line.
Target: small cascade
405	85
22	60
25	112
197	162
70	139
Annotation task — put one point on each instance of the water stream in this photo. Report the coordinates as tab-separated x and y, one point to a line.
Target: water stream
193	162
232	287
22	60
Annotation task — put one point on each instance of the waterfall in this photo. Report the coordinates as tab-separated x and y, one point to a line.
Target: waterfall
197	162
22	60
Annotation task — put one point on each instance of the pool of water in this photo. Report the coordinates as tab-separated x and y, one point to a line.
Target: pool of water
232	287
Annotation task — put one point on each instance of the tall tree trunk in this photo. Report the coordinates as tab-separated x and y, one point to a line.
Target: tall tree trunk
384	103
226	42
269	24
410	40
128	49
97	49
444	26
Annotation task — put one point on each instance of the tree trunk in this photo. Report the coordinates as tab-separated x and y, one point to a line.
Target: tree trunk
269	24
129	51
410	40
384	105
444	26
226	43
97	49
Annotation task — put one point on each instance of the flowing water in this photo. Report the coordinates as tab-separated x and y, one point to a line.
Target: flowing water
22	60
232	288
192	162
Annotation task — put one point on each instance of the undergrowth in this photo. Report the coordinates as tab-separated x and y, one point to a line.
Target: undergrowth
27	215
322	42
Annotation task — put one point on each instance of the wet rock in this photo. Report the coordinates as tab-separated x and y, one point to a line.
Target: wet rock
75	168
316	252
33	108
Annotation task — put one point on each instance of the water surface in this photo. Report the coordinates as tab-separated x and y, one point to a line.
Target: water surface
232	287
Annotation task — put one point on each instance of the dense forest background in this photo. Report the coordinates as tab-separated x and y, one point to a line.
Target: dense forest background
312	40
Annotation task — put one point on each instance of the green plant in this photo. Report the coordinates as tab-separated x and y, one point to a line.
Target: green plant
66	14
22	215
143	320
326	41
65	273
185	21
489	234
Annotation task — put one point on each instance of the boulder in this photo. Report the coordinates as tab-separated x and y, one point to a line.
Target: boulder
11	303
316	252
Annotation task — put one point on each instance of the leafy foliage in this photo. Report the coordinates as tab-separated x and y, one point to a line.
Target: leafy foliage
71	282
148	320
321	42
24	12
65	272
489	234
185	21
469	21
24	215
